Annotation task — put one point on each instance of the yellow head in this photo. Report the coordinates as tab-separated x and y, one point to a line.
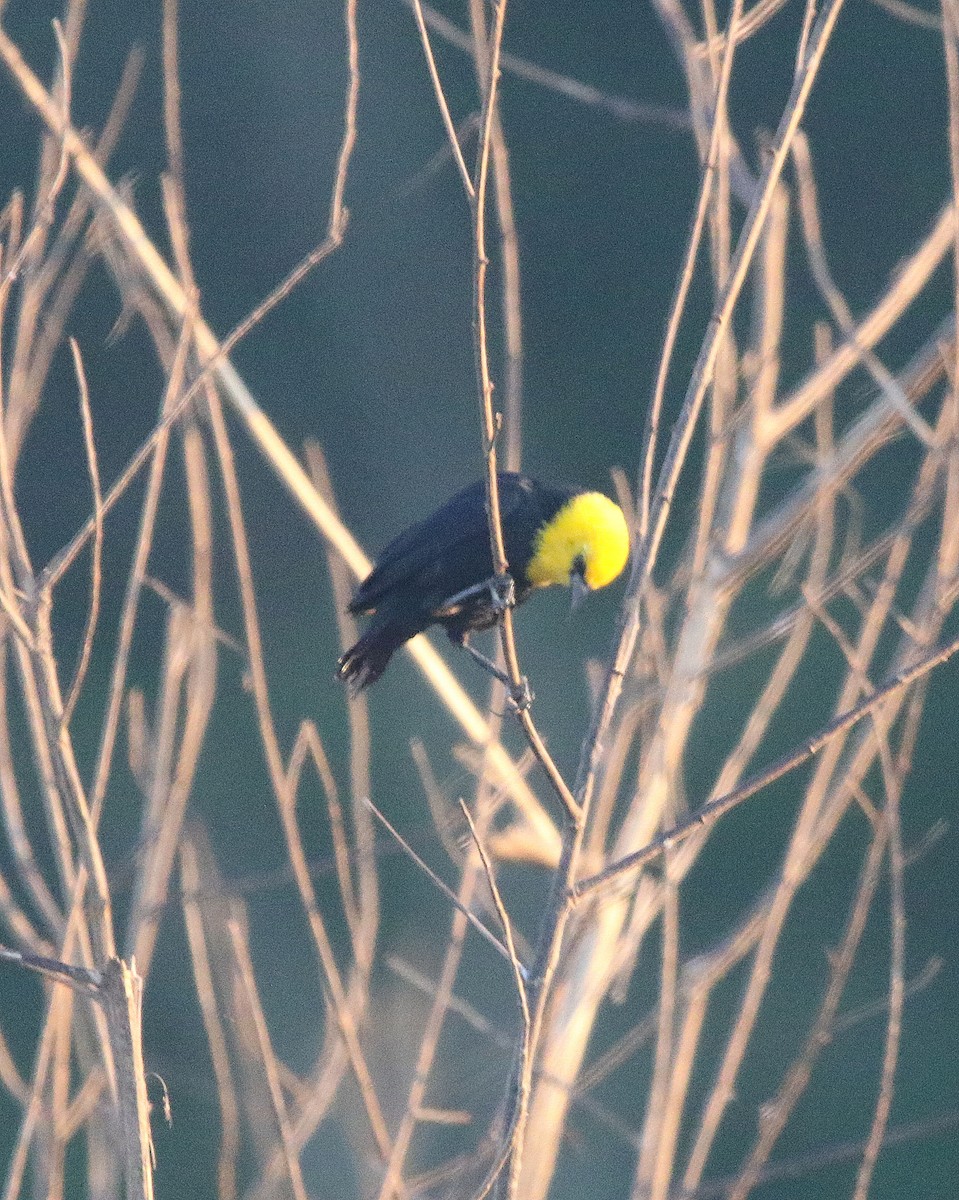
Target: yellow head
587	537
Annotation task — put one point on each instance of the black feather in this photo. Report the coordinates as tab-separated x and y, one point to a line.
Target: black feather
436	559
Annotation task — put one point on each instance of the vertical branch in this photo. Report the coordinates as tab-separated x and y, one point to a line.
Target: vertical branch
490	422
652	1175
509	252
897	960
950	39
122	999
96	563
118	989
172	126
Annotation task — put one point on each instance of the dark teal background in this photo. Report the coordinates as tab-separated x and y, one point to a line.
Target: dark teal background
373	357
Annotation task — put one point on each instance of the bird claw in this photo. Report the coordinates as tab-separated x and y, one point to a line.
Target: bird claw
502	590
521	698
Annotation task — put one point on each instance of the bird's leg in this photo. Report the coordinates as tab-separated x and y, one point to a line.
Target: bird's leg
503	595
521	697
486	663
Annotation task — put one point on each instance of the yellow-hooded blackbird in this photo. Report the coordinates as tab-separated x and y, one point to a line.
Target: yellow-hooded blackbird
439	571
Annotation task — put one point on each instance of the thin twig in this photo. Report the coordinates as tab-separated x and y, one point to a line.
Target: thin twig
506	924
438	883
712	811
525	1048
441	102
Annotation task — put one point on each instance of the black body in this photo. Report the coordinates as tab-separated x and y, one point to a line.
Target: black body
420	571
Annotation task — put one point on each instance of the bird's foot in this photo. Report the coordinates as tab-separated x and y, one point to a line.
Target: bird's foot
502	590
521	697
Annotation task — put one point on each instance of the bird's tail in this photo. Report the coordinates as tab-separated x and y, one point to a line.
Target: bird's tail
365	662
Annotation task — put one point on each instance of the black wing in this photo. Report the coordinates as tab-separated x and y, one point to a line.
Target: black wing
453	543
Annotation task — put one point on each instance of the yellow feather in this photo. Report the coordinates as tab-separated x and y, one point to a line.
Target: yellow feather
590	526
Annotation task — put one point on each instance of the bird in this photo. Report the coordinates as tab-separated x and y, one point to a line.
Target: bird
440	570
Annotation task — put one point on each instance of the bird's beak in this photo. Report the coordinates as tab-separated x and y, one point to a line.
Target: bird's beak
579	588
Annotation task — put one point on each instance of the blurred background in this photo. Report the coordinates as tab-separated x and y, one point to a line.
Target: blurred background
372	356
